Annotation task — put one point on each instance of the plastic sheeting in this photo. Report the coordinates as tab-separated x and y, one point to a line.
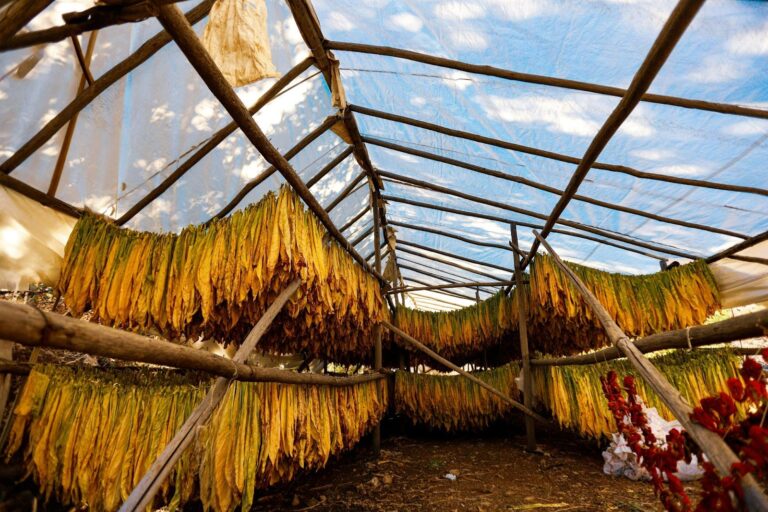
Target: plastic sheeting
135	134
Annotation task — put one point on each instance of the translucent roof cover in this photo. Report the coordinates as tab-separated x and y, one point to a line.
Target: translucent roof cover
141	128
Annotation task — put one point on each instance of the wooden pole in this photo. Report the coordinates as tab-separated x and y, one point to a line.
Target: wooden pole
504	220
35	328
354	219
447	234
41	197
377	349
142	495
442	278
552	155
145	51
552	190
504	206
81	59
751	325
718	453
216	139
345	192
722	108
443	361
522	309
405	289
14	17
173	21
731	251
329	167
61	160
470	284
670	34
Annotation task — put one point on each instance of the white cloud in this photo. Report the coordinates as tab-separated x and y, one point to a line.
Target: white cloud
340	22
418	101
750	42
652	154
524	9
469	39
458	80
746	128
459	11
406	21
681	170
718	69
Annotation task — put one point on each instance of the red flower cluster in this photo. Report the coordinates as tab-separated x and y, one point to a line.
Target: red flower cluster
748	438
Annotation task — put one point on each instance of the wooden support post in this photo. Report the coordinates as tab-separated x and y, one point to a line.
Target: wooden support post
434	355
717	451
522	309
377	351
61	160
751	325
142	495
673	30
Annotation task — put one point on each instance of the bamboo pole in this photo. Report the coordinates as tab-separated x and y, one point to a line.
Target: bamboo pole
35	328
214	141
522	309
173	21
14	17
673	30
142	54
469	284
142	495
726	331
434	355
552	155
86	77
504	206
504	220
722	108
718	453
552	190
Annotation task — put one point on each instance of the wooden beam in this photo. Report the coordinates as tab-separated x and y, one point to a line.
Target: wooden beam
32	327
258	180
329	167
377	334
85	78
444	261
425	229
505	220
469	284
434	355
141	55
142	495
552	155
722	108
751	325
455	256
216	139
444	279
41	197
718	453
453	293
731	251
552	190
346	191
14	17
362	236
670	34
444	274
354	219
522	312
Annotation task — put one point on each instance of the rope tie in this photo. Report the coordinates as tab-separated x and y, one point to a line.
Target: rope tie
45	332
688	337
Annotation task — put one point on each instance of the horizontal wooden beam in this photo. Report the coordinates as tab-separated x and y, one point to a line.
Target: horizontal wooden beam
552	155
452	255
362	236
470	284
447	234
721	108
751	325
552	190
41	197
354	219
730	252
427	286
330	166
504	220
429	263
33	327
214	141
446	280
141	55
514	209
349	189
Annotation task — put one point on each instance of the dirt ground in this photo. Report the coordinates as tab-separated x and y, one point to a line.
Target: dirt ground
494	474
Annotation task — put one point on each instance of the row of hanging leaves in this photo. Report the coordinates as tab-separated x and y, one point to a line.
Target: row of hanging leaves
559	321
572	394
88	436
218	279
